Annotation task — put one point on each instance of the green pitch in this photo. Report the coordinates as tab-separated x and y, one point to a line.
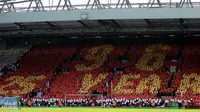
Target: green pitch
96	110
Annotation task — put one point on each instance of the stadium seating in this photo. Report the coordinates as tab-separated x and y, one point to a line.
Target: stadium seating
145	71
77	83
44	59
36	68
91	58
186	82
72	82
186	85
191	56
11	56
115	61
152	57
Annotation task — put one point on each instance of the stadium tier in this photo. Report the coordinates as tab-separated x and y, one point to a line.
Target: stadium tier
132	74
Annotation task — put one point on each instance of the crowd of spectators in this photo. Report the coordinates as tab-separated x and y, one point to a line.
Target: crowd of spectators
46	60
106	103
9	57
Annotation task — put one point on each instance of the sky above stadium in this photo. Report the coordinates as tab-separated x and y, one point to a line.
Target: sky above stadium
78	2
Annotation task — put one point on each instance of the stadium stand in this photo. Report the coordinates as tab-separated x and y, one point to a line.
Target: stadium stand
11	56
36	68
137	75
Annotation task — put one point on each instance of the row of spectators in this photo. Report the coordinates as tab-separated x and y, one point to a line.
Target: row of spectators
158	103
35	94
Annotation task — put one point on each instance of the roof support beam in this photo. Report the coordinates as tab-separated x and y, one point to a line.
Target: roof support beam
144	31
2	7
38	3
10	7
188	3
184	26
14	2
123	3
53	25
148	21
151	3
95	4
84	24
182	21
116	24
67	4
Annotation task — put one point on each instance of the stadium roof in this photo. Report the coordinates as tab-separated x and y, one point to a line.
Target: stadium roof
25	3
25	18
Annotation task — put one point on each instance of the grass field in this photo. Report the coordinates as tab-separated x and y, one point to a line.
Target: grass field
96	110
